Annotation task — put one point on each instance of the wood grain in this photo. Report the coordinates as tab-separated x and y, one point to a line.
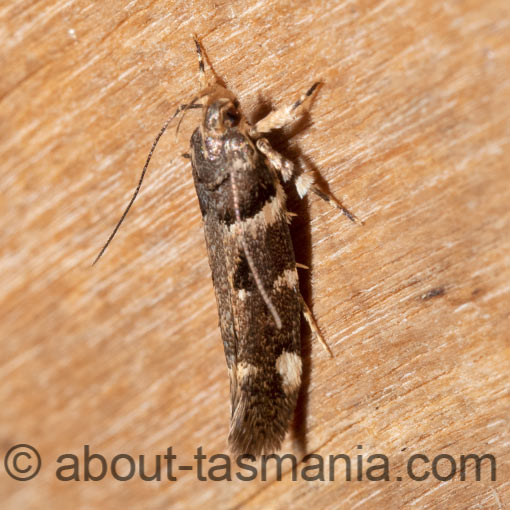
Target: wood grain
411	130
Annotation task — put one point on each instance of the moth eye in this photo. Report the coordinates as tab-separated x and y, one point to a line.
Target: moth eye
231	117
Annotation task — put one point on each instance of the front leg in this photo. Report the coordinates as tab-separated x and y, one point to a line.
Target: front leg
284	115
304	182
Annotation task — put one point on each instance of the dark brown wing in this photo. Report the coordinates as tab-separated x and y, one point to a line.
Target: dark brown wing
264	362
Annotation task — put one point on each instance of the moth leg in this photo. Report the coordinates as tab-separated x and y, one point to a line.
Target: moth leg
285	167
284	115
282	165
333	202
304	182
313	325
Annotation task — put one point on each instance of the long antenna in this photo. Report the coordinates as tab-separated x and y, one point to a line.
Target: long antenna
189	106
160	134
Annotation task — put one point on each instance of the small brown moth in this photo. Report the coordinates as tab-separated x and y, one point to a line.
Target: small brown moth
238	178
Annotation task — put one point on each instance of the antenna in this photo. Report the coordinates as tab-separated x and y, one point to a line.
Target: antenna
160	134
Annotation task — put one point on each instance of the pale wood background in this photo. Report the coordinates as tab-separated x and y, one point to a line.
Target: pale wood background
411	130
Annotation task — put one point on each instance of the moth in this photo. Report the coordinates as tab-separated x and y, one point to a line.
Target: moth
239	180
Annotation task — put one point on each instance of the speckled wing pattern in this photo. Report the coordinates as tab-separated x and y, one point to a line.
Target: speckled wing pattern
264	362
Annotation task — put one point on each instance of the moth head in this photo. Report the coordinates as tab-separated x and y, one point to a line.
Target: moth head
221	112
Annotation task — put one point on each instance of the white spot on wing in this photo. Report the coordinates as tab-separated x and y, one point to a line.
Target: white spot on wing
244	370
289	367
289	279
242	294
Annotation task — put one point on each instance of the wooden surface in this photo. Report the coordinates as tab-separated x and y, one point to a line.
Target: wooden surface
410	130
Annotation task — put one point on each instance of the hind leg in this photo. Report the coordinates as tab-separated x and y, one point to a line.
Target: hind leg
313	325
